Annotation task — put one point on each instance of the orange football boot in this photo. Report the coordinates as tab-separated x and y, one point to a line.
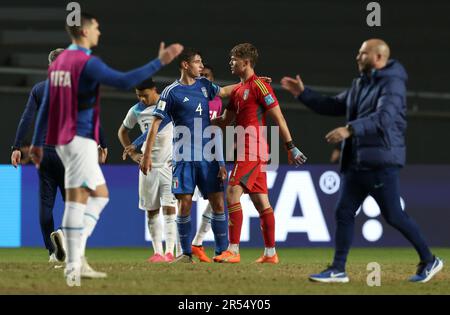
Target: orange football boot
268	260
228	257
199	252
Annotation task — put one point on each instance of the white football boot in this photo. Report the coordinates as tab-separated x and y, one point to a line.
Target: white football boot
72	273
88	272
57	238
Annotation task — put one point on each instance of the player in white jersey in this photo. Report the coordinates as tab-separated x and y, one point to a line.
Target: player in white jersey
154	190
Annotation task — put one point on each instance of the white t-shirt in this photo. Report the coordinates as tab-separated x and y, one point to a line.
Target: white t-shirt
162	149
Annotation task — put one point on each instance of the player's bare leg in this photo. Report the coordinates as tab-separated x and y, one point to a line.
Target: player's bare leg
267	218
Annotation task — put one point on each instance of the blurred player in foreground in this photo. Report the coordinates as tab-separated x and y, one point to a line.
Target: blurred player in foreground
70	108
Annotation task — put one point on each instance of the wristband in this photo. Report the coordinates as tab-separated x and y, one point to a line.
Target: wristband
289	145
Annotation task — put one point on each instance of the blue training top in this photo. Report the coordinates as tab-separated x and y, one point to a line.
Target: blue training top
94	73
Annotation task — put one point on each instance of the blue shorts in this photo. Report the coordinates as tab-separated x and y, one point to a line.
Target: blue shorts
203	174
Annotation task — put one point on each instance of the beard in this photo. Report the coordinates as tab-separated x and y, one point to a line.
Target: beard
365	67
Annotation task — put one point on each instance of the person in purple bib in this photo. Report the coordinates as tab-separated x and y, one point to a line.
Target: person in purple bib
68	118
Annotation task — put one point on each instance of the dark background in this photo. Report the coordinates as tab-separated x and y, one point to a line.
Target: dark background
318	39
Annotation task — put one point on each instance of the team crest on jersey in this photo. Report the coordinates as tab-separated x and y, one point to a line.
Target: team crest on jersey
269	100
205	92
245	96
175	182
161	105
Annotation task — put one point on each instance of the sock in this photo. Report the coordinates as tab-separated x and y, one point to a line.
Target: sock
267	220
94	207
219	227
72	225
184	232
205	226
234	248
269	251
170	232
178	249
235	222
155	229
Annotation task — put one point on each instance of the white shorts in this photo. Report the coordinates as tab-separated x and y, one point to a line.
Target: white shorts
80	160
155	189
197	194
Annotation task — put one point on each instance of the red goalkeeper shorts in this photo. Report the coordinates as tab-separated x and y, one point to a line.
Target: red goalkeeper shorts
251	175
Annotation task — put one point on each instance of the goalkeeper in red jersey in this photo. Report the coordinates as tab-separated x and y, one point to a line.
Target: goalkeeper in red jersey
250	102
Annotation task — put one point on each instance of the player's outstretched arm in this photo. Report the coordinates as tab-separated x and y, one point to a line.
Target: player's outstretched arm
323	105
294	86
295	156
168	54
98	71
226	90
146	161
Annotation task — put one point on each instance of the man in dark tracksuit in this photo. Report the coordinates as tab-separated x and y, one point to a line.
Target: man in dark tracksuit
373	151
51	172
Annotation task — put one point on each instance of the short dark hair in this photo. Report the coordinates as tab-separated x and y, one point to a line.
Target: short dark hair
187	55
208	66
54	54
146	84
245	51
75	31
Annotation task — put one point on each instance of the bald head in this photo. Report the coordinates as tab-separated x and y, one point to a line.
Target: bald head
373	54
378	46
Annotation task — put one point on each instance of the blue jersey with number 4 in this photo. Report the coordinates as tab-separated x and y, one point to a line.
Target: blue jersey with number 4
188	108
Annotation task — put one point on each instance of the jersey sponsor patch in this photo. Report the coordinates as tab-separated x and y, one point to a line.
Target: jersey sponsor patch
269	100
245	96
205	92
161	105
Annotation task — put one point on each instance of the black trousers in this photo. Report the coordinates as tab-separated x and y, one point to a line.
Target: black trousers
51	177
383	186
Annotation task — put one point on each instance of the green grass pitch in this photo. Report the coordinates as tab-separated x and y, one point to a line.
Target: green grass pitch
26	271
